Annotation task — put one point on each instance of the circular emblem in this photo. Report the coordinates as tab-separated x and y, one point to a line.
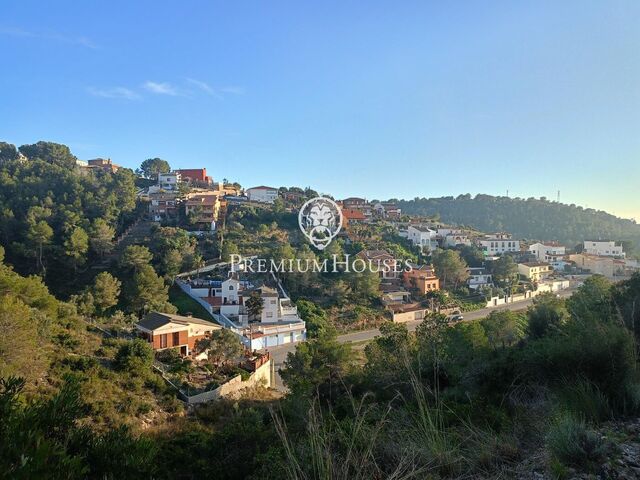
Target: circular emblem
320	220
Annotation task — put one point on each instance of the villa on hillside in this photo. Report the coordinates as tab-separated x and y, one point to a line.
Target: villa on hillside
166	330
277	324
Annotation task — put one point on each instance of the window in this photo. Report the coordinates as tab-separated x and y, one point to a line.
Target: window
230	287
176	338
269	314
163	340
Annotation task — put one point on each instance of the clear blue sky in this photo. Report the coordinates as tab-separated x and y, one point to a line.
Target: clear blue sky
374	99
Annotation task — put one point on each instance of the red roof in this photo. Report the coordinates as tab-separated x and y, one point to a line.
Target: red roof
353	214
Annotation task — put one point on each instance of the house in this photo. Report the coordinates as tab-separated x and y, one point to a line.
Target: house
195	176
603	248
423	237
601	265
455	239
422	278
379	261
354	202
262	194
169	181
546	251
357	204
104	164
479	277
278	324
162	205
497	244
203	208
534	271
166	330
352	215
387	210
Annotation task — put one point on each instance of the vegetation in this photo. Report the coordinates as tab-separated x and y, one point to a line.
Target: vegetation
526	218
56	219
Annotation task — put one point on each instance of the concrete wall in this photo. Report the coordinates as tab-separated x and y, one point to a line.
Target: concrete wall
234	387
542	288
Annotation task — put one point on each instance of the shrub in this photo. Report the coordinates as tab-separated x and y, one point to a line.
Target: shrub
134	356
572	443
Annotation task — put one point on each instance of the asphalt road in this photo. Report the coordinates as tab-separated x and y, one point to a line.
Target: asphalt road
279	354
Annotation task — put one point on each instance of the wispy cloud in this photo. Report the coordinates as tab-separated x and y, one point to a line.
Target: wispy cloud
162	88
54	36
204	86
235	90
114	92
219	92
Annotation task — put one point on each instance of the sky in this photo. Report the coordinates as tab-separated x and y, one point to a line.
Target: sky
373	99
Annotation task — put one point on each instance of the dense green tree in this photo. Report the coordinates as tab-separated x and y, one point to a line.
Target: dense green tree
504	270
255	305
228	249
39	235
76	247
319	364
50	152
592	300
134	356
135	257
147	291
472	255
151	167
315	318
545	315
501	328
105	291
364	286
450	267
222	347
101	237
8	152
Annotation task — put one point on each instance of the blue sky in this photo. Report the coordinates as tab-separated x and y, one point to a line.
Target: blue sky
375	99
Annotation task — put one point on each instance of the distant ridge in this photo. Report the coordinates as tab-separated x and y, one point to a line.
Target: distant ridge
531	218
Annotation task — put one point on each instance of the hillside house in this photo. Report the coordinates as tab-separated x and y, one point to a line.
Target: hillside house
479	277
547	251
534	271
421	278
603	248
423	237
262	194
166	330
497	244
195	176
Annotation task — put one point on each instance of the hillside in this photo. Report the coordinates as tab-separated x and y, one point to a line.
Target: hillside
531	218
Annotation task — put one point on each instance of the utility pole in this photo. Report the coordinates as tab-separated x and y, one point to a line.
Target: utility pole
558	196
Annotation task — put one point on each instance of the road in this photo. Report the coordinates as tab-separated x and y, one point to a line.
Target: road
279	354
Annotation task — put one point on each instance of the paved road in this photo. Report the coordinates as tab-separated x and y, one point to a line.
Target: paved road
279	354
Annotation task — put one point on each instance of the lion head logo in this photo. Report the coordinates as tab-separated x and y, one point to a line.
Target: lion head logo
320	220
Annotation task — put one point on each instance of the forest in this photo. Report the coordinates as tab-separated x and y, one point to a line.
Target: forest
532	218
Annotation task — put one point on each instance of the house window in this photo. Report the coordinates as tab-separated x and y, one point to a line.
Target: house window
269	314
163	340
230	287
176	338
273	302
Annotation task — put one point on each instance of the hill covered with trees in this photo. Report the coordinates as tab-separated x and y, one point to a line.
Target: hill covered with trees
530	218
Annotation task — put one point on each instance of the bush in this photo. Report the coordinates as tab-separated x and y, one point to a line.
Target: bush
134	356
572	443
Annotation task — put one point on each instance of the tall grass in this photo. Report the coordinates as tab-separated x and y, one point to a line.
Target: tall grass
340	449
571	442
